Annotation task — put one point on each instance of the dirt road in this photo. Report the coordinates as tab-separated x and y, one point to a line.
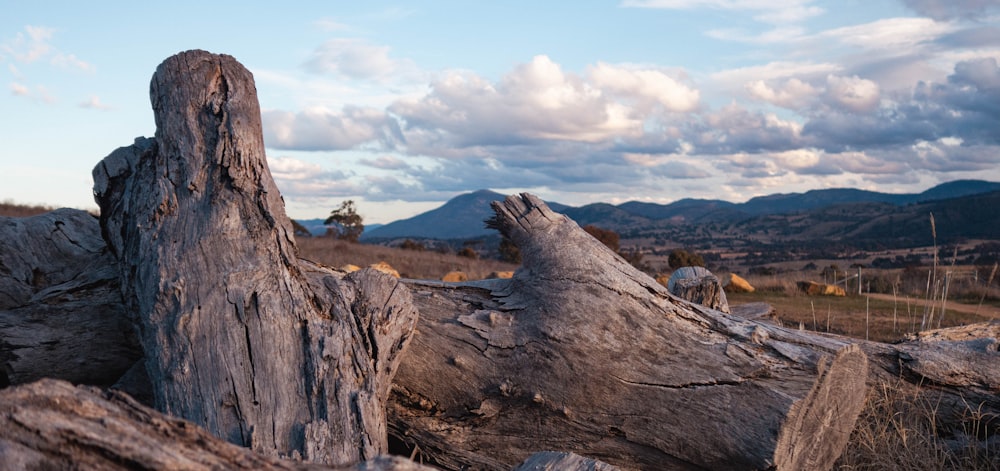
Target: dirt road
985	310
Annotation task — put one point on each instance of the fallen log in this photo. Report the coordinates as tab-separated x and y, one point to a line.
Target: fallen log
50	424
581	352
61	312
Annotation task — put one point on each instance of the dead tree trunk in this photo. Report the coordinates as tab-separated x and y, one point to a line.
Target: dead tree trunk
582	352
239	336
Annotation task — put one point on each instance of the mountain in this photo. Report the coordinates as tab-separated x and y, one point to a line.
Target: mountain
316	227
829	214
462	217
695	210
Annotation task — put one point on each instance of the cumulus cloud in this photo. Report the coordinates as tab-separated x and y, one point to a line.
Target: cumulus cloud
792	93
897	36
320	129
536	101
301	179
852	93
645	86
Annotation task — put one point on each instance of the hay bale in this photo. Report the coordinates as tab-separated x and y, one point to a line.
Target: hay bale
734	283
455	276
385	268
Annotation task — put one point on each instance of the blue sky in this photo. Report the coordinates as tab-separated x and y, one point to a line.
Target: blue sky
401	106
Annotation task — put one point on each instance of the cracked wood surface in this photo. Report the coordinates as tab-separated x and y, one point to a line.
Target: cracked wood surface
240	337
581	352
50	424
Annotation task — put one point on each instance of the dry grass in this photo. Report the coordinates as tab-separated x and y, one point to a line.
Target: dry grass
897	430
427	265
855	315
11	209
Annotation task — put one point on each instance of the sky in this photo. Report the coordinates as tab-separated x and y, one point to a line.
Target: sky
401	106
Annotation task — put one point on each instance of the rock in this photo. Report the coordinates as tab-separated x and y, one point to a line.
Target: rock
501	275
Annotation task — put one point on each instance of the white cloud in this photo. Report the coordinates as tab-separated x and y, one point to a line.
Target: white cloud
30	45
774	70
322	129
330	25
852	93
70	61
356	59
644	85
536	100
897	36
792	93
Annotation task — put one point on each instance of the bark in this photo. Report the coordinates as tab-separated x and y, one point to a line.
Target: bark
241	337
50	424
61	313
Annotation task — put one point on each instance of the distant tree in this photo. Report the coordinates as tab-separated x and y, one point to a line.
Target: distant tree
509	252
468	252
411	245
608	238
348	224
682	258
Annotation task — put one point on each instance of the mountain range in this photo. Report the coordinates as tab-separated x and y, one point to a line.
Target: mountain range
796	216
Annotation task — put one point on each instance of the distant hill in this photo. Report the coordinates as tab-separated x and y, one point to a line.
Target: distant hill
829	214
460	218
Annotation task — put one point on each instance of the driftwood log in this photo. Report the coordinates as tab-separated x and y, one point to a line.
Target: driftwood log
579	352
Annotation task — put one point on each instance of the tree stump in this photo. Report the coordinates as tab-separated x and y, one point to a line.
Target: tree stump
239	336
700	286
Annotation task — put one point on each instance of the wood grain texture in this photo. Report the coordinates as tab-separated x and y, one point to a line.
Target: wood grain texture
238	339
61	312
51	424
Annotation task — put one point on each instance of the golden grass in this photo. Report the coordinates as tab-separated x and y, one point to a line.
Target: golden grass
427	265
897	430
11	209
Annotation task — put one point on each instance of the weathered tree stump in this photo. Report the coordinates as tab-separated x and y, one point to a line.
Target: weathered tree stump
698	285
240	337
